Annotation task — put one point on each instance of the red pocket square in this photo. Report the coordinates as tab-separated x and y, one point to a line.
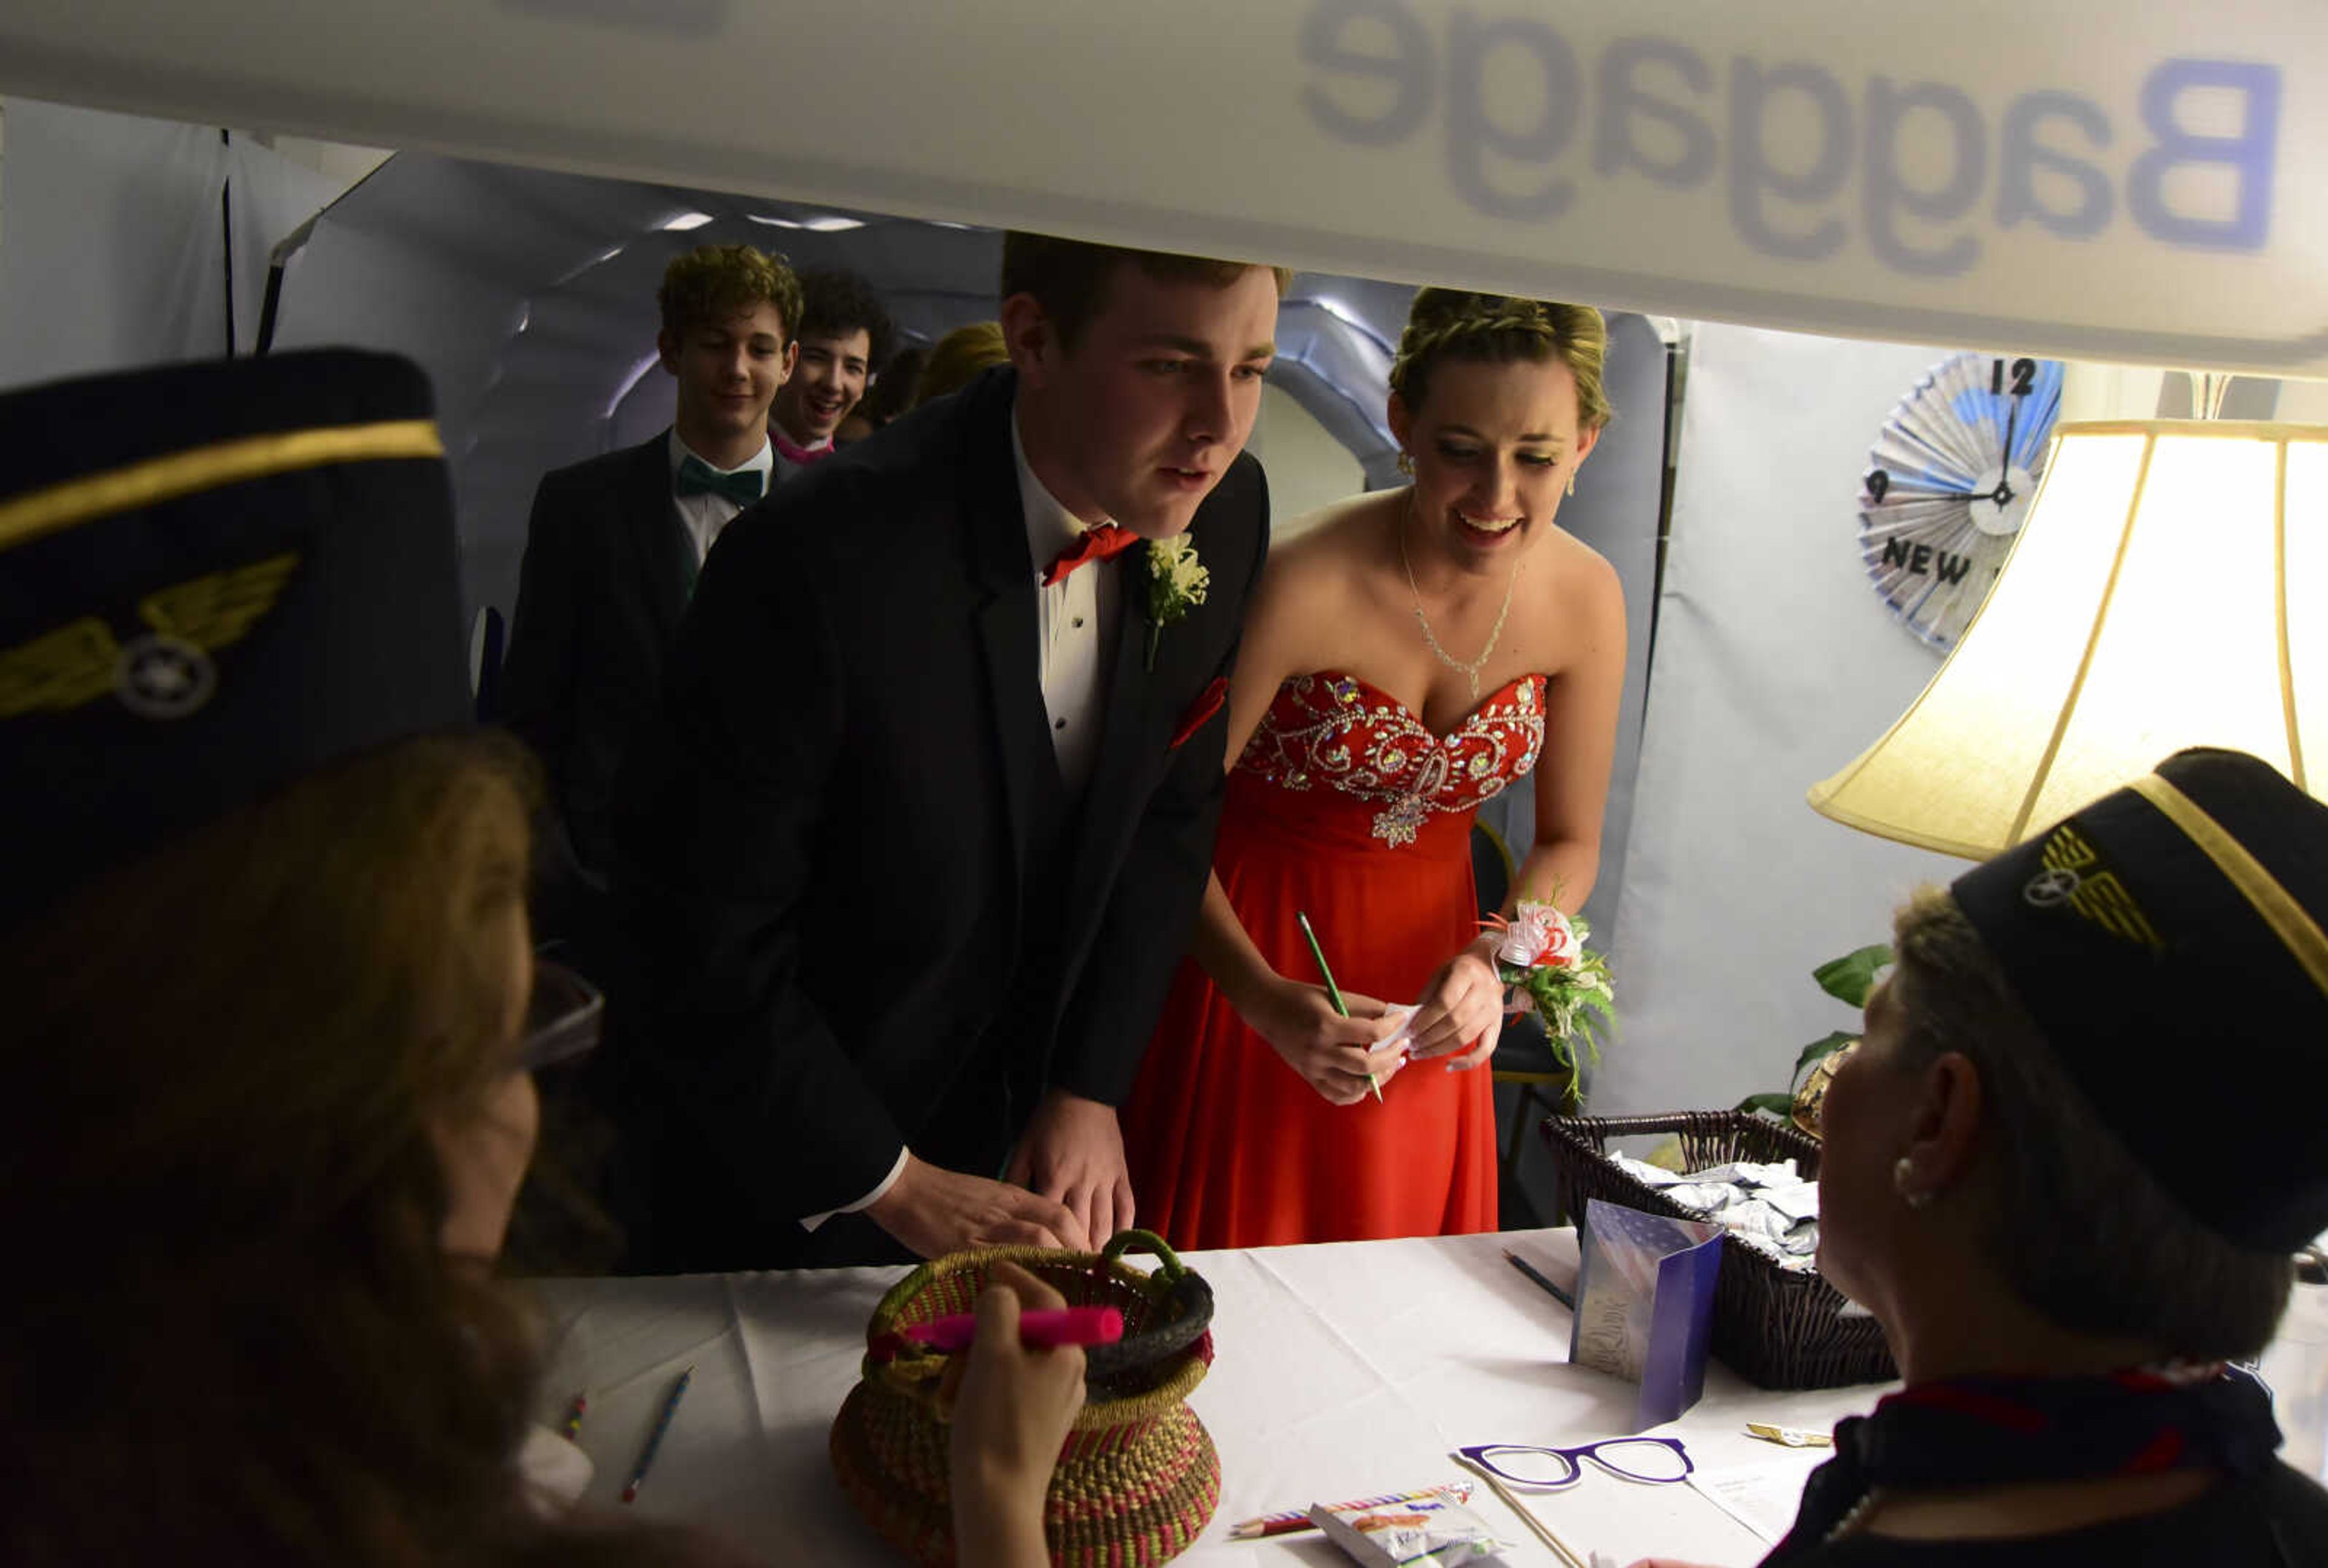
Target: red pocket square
1200	712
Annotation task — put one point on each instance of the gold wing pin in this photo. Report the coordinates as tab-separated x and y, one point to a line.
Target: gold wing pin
2092	891
60	670
2065	851
217	609
165	674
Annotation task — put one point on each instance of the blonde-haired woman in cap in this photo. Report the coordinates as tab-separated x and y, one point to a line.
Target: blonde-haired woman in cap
273	1006
1406	657
2066	1169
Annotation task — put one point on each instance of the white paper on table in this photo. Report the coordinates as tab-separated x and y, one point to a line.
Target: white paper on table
1763	1498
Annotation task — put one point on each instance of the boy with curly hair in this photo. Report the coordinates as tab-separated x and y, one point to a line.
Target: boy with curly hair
845	336
615	543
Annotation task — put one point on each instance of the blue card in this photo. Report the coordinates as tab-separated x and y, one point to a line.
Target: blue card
1645	1304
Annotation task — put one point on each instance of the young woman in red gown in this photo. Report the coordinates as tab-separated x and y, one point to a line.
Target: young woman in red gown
1408	654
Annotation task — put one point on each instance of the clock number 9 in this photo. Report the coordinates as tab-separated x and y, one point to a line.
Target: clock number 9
1879	484
2024	376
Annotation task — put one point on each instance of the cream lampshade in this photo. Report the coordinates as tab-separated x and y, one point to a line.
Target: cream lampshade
2169	589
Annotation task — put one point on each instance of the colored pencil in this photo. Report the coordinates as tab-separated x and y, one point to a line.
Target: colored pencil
573	1427
1039	1327
1333	992
1524	1266
1297	1520
654	1438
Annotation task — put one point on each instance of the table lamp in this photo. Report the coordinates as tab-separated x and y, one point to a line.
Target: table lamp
2169	589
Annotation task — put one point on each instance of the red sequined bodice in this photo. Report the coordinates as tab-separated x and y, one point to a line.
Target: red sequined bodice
1336	732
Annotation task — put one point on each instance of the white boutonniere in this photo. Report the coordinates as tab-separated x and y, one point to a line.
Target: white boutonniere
1177	581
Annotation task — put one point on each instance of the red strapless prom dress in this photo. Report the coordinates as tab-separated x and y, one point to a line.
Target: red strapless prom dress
1344	805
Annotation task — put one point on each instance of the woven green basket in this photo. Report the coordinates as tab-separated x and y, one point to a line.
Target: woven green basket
1138	1478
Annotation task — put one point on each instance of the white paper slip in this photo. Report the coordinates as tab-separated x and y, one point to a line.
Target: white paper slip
1406	1032
1764	1498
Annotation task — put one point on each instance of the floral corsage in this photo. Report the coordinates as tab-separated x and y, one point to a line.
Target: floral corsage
1177	581
1543	953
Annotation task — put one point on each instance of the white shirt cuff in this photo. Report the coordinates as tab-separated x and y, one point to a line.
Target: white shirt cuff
868	1201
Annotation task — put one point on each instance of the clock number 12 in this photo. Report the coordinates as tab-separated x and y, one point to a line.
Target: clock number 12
2024	376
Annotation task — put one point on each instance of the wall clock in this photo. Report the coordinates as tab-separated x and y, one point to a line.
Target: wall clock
1948	482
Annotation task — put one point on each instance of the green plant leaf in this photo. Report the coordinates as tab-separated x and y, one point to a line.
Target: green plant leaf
1849	978
1819	1049
1778	1105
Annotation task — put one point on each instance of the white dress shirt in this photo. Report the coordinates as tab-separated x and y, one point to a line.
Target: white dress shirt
705	514
1072	621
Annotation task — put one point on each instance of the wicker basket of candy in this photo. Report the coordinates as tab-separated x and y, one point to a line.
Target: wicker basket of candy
1776	1324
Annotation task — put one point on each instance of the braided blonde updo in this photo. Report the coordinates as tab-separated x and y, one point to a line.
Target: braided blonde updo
1457	325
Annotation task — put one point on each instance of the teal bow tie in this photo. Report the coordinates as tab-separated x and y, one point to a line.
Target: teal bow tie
697	477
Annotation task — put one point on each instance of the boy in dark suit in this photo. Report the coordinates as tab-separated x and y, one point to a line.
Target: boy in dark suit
614	544
930	806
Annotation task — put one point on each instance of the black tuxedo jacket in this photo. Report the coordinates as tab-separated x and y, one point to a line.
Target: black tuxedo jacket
598	605
844	860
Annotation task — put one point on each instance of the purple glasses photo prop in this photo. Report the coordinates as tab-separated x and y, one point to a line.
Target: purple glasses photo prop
1653	1459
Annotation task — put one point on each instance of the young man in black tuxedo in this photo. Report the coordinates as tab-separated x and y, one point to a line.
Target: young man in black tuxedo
929	811
614	545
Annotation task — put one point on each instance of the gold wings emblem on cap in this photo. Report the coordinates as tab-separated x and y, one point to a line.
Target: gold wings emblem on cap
212	611
80	660
2096	894
62	670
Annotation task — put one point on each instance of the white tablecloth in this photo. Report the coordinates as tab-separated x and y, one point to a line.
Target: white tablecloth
1341	1371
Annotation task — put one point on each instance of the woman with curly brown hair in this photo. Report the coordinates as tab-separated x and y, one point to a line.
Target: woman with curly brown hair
271	1131
1404	660
273	1003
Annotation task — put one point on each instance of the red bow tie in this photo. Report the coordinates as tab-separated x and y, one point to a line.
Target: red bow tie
1104	542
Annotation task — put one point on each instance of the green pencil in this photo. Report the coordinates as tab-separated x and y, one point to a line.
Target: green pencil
1333	992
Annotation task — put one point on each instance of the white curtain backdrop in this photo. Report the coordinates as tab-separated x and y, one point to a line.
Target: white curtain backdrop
112	255
113	250
1776	665
268	196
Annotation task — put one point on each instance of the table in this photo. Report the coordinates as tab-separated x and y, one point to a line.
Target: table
1342	1370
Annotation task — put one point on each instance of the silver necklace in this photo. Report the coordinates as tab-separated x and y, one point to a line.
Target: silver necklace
1470	672
1852	1523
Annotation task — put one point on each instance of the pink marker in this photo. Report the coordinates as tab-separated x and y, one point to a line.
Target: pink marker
1038	1329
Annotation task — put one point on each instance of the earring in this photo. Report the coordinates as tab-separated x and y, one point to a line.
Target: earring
1903	1171
1406	463
1571	481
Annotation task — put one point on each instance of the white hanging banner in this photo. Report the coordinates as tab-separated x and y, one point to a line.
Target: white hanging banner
2080	178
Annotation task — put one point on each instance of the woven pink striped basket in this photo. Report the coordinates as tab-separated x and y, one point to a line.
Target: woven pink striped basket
1139	1478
